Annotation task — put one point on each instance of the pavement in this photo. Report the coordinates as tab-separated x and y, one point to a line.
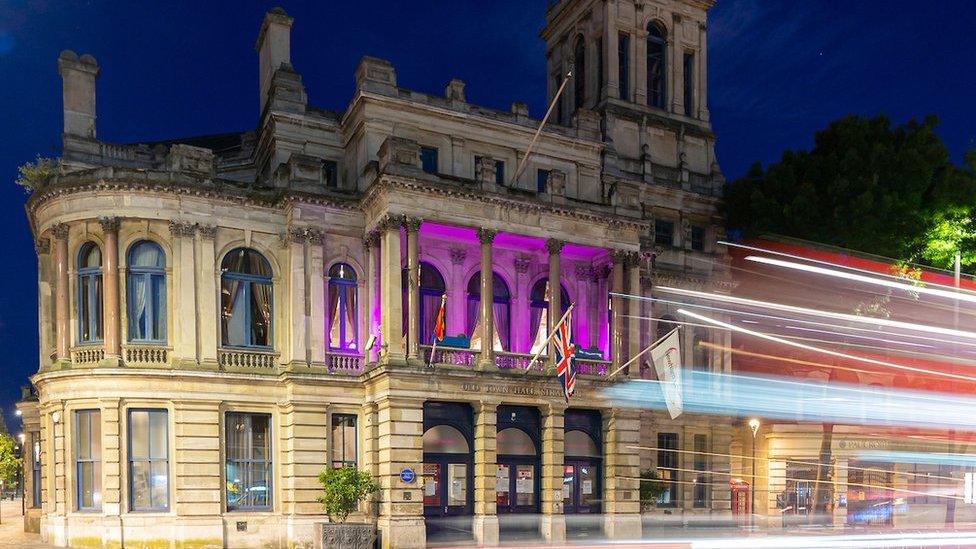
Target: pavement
12	528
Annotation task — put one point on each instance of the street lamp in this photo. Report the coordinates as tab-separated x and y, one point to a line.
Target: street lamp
754	425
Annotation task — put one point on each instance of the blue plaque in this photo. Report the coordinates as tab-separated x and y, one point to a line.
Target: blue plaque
407	475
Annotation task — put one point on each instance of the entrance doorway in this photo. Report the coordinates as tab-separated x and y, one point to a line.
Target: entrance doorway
517	473
447	471
583	474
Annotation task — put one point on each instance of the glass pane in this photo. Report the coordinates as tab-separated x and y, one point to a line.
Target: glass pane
83	444
160	484
158	430
502	485
589	491
84	310
432	484
140	486
349	317
515	442
259	437
444	439
335	314
91	256
147	254
139	434
97	304
569	479
96	435
580	444
236	436
259	489
86	498
246	261
524	485
260	314
458	475
159	308
235	484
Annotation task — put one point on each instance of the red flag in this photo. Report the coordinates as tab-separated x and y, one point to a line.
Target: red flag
439	322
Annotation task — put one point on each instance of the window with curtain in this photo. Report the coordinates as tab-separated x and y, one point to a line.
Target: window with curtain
432	287
501	309
247	440
35	469
148	460
344	440
146	289
579	72
343	307
539	320
88	460
89	294
245	299
657	65
667	465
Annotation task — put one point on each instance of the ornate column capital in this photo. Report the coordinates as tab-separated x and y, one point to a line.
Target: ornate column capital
390	222
42	246
315	237
60	231
371	240
182	228
632	259
207	231
585	272
486	236
110	224
411	224
554	246
619	257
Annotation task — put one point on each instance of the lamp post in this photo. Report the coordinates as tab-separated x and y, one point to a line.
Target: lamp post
754	425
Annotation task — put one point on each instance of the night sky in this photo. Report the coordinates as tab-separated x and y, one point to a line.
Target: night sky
778	71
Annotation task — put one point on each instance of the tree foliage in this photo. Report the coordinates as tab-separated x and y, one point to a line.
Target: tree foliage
9	464
651	487
34	174
344	488
865	185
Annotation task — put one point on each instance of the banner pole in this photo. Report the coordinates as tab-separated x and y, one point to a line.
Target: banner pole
646	349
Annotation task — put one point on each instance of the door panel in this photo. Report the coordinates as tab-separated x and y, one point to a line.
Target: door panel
457	497
502	488
432	485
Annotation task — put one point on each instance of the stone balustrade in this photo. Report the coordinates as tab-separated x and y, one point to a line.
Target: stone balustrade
145	355
87	355
246	359
340	363
450	356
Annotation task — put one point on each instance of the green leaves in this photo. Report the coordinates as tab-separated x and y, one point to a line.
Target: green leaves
32	175
9	465
344	488
651	487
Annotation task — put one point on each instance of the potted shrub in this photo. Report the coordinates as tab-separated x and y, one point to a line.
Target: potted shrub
343	489
651	488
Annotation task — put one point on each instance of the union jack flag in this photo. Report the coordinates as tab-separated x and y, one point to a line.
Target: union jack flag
565	357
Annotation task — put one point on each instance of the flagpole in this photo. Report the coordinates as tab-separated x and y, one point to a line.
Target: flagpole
548	339
528	151
433	347
646	349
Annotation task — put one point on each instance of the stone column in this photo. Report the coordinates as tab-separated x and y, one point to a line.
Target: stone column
702	69
485	468
553	522
400	427
110	288
208	297
486	237
371	301
390	289
62	309
621	493
638	63
555	247
412	226
294	242
633	311
611	45
616	311
183	336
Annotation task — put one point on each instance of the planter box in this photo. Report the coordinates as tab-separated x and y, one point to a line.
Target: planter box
331	535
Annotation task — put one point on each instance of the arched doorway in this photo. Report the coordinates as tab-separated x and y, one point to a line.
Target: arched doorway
448	470
517	477
583	472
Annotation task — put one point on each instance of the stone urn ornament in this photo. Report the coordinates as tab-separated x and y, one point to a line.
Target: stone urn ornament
343	489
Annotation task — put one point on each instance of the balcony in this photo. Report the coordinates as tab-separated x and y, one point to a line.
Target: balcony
246	359
87	356
145	355
505	360
344	363
465	358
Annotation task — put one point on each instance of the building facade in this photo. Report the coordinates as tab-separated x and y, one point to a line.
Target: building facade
223	317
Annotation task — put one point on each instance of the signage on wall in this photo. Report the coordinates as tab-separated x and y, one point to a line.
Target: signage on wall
407	475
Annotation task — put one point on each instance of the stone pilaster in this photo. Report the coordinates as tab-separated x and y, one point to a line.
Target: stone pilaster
553	522
400	427
371	303
638	65
485	468
617	310
111	469
183	336
633	311
702	68
315	298
295	244
62	309
487	361
110	291
391	290
208	315
621	461
412	227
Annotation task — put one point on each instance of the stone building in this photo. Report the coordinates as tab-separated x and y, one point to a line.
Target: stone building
222	317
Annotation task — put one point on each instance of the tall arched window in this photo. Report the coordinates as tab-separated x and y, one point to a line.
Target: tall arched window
501	311
539	307
431	289
146	290
245	299
657	65
89	294
343	320
579	72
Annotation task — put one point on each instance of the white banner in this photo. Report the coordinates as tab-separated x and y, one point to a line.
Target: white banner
666	357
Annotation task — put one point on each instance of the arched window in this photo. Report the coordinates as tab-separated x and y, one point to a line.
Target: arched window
431	289
444	439
579	72
539	307
146	290
657	65
245	299
343	322
579	444
501	310
89	293
514	442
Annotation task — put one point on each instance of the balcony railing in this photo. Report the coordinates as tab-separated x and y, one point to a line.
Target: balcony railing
593	367
246	359
146	355
87	355
505	360
450	356
345	363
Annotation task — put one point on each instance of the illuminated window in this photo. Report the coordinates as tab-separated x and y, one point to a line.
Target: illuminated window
501	311
247	439
667	465
700	492
88	460
343	303
89	294
344	440
148	460
245	299
146	289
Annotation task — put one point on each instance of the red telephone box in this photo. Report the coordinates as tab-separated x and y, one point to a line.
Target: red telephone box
740	499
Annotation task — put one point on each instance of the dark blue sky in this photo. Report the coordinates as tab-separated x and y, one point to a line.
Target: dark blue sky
779	70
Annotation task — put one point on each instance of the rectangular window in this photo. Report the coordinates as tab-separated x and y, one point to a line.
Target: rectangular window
599	68
88	460
701	471
500	172
542	181
247	439
698	238
623	65
343	440
664	232
667	465
35	469
689	68
148	460
330	173
428	159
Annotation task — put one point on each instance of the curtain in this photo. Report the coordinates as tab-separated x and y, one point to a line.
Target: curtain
159	307
231	318
350	305
540	323
138	290
429	305
334	339
503	331
261	314
473	316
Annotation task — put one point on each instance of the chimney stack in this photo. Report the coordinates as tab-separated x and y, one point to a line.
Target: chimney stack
274	48
78	91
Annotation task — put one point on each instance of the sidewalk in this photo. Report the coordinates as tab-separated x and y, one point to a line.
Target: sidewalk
12	530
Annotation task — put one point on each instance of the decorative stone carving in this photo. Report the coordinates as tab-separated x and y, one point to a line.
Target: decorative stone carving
554	246
399	151
110	224
632	259
484	169
60	231
344	536
556	183
585	272
371	240
412	224
207	231
522	264
454	91
187	158
458	255
181	228
390	222
42	246
486	236
619	257
302	235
